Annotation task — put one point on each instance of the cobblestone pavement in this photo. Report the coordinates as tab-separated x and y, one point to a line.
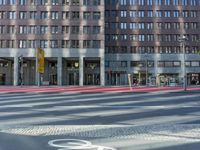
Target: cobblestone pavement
134	121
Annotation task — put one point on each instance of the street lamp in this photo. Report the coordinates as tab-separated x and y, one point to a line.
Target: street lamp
182	40
146	62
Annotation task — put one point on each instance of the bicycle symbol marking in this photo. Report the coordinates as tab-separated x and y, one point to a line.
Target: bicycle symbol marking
76	144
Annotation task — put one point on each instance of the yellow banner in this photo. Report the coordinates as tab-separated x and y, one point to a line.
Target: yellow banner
40	59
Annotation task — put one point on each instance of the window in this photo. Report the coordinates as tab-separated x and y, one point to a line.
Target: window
43	2
150	13
22	2
184	2
193	13
123	13
22	15
2	29
10	2
44	15
74	44
54	15
158	2
123	25
133	37
31	44
65	44
75	2
96	30
33	2
33	15
2	2
133	25
158	13
133	13
195	63
167	13
75	15
149	2
141	25
122	2
177	64
141	37
43	43
33	29
141	13
65	29
86	44
185	13
149	25
193	25
86	2
175	2
96	15
10	44
11	15
43	29
65	2
96	2
65	15
22	29
86	29
11	29
176	13
74	29
167	2
2	14
54	44
141	2
193	2
54	2
86	15
54	29
96	44
22	44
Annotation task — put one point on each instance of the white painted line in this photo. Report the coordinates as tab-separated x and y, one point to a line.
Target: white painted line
76	144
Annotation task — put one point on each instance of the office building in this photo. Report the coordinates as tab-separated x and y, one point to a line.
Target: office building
100	42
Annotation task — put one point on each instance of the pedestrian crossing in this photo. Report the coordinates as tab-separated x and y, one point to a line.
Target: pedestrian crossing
115	117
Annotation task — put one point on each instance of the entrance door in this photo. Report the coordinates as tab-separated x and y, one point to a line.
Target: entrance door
73	78
53	79
2	79
92	79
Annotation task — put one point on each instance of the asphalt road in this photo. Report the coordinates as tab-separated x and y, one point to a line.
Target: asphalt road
100	121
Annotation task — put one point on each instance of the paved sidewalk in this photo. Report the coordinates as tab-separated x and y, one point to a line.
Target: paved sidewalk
91	89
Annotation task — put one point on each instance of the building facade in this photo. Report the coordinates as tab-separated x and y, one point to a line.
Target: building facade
100	42
142	39
70	32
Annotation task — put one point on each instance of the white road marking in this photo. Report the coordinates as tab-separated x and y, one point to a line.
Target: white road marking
76	144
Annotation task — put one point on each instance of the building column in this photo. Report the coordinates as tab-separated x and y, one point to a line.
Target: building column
36	72
16	71
102	71
81	71
156	75
59	71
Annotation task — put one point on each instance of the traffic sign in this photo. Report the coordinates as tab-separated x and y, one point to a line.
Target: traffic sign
40	60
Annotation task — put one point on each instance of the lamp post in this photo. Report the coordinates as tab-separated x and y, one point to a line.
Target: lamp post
182	40
146	69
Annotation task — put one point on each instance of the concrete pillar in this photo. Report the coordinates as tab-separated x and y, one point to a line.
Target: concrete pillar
81	71
102	71
156	69
16	71
36	72
10	73
59	71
